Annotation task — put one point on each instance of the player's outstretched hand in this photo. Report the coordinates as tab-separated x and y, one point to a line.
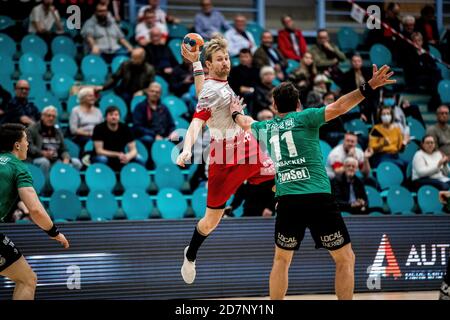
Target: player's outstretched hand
62	239
381	77
183	157
190	56
237	104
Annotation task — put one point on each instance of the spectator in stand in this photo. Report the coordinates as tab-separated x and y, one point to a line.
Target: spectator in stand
19	109
263	91
244	77
84	117
159	55
152	120
352	79
267	55
441	131
115	7
111	139
291	42
161	15
103	35
43	18
421	71
430	166
427	26
391	17
132	76
349	189
143	29
303	77
5	96
182	78
326	54
386	140
349	148
209	21
333	131
238	37
314	98
264	115
47	143
399	116
409	26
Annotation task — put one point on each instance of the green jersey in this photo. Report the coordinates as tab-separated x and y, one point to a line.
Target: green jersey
13	175
293	145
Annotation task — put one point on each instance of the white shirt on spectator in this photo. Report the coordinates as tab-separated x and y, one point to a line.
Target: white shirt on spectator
337	157
143	31
159	13
38	14
426	166
237	41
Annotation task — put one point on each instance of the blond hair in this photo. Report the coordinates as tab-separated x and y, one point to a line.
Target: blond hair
216	44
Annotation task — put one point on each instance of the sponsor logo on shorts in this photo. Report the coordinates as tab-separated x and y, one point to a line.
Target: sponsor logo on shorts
286	242
332	240
293	175
2	261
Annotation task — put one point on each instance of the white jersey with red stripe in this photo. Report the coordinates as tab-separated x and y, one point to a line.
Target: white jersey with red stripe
214	108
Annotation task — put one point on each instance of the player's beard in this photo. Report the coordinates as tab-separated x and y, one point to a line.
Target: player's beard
223	73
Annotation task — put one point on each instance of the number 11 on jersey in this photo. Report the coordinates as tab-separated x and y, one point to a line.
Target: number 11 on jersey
275	142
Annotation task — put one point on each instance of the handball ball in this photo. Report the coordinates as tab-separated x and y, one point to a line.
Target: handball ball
192	41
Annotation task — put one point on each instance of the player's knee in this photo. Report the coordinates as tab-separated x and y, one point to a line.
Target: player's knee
28	279
282	260
345	258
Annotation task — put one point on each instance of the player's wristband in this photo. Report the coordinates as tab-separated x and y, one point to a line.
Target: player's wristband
53	232
197	66
366	90
235	114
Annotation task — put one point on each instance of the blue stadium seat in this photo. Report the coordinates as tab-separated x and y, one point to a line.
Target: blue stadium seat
101	205
444	91
169	176
400	200
164	85
428	200
292	65
417	131
117	62
100	177
7	45
136	100
127	28
175	47
171	204
72	148
30	63
89	146
445	72
45	99
72	103
142	150
162	152
347	39
70	28
177	30
34	44
357	126
373	197
63	45
380	55
64	205
435	52
256	30
180	123
64	177
38	177
6	22
234	63
389	174
134	176
92	65
37	84
7	83
325	149
63	64
7	64
137	204
199	201
176	106
113	100
94	80
61	85
409	152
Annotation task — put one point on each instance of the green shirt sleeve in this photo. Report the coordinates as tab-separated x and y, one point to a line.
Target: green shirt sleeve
23	178
257	126
311	117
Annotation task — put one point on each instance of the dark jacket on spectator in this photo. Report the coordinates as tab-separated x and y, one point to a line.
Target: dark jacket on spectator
149	122
243	76
341	190
36	141
5	96
160	57
262	58
262	99
17	108
134	77
286	46
421	27
177	80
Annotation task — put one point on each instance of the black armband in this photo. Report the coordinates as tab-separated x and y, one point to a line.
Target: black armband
234	115
366	90
53	232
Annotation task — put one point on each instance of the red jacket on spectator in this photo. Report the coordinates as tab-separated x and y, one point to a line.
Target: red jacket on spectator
286	47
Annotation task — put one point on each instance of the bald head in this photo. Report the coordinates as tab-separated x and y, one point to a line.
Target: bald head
138	56
155	35
22	89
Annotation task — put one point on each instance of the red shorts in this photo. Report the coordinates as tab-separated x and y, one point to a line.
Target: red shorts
224	180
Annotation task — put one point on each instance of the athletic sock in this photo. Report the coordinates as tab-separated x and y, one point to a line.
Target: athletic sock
194	245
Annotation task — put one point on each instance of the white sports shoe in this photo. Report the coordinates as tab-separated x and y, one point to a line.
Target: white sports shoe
188	269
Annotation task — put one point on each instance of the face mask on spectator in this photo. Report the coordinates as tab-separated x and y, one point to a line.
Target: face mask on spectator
389	102
386	118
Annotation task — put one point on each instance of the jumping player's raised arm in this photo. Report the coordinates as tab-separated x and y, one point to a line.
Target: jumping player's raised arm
350	100
194	58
